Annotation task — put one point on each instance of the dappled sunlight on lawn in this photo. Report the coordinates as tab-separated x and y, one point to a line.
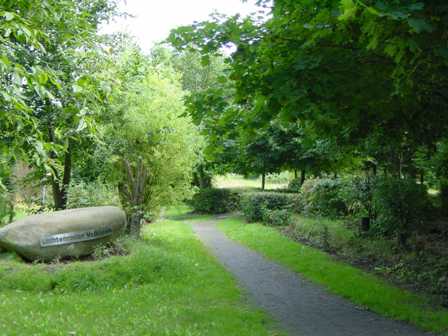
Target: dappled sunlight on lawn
238	181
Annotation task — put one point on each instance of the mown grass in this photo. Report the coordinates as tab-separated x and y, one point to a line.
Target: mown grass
167	285
342	279
233	181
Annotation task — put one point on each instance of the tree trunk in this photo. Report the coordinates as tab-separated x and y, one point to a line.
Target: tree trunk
444	196
295	174
263	181
133	194
135	223
302	176
60	188
12	213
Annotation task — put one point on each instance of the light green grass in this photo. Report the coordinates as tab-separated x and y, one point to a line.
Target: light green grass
176	211
233	181
168	285
347	281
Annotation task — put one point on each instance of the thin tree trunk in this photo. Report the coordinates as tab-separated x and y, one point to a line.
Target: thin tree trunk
135	224
302	176
11	211
133	194
444	196
263	181
60	188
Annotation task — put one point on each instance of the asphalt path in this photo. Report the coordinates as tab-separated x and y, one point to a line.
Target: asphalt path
299	306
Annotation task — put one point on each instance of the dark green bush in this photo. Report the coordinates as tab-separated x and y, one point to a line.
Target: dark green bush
294	185
356	193
322	197
281	217
254	204
400	206
215	201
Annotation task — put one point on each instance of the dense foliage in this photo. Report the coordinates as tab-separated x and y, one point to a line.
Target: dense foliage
78	108
255	204
400	206
321	197
215	201
364	79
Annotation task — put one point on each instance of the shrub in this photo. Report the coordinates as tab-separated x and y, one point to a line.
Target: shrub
6	208
321	197
277	217
356	193
399	205
254	204
294	185
215	201
82	194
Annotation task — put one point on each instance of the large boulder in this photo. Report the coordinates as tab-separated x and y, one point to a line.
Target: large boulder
67	233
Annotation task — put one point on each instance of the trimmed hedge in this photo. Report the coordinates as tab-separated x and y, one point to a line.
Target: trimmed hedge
215	201
254	204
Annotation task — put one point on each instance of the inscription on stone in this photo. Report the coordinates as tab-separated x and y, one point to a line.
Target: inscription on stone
74	237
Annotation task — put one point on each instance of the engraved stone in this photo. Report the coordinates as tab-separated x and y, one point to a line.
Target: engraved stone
67	233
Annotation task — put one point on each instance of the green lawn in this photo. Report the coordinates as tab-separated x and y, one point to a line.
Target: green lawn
360	287
234	181
168	285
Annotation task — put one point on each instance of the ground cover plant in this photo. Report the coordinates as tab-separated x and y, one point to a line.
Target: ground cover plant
254	204
160	288
421	269
342	279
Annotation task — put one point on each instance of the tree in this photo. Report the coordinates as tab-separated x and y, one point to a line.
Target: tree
154	145
209	102
368	77
47	71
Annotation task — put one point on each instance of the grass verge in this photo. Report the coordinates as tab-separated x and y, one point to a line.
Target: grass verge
167	285
342	279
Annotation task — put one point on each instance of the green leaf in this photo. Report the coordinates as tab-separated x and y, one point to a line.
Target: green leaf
76	88
349	9
420	25
8	16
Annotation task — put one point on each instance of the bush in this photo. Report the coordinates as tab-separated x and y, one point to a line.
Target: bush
322	197
254	204
6	208
277	217
215	201
82	194
295	185
399	205
356	193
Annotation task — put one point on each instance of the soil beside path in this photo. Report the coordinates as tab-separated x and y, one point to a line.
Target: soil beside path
301	308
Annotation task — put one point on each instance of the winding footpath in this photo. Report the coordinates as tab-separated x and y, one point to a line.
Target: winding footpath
301	308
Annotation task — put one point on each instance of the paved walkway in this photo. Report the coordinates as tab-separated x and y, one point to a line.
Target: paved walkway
301	308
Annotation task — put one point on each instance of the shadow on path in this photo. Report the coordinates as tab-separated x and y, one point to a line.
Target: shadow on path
302	308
